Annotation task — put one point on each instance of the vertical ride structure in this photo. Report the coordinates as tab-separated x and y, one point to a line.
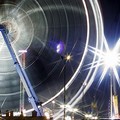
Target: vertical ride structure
33	99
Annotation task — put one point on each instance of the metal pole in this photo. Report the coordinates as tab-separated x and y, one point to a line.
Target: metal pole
21	84
64	89
111	101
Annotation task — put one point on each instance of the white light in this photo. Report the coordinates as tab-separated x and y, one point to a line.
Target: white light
88	115
67	118
53	102
68	106
95	118
75	109
68	57
62	106
58	48
47	115
24	112
22	51
65	106
111	59
16	113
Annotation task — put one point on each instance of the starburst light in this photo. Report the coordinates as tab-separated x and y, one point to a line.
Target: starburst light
109	59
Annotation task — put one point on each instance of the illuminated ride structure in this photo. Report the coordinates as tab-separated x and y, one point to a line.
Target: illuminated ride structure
33	99
114	112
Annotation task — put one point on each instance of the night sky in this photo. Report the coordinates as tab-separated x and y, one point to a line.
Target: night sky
111	17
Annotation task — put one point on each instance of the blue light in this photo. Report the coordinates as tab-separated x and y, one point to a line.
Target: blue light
60	47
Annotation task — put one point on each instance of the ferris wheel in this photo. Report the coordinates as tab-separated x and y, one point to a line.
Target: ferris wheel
57	36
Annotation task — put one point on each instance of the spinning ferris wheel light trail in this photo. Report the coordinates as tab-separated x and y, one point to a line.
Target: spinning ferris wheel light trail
25	80
32	12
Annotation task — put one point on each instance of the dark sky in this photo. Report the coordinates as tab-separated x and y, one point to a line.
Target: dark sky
111	18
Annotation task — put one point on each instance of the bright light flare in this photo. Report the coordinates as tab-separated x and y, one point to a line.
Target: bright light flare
88	115
22	51
68	118
111	59
53	102
47	115
68	57
60	47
